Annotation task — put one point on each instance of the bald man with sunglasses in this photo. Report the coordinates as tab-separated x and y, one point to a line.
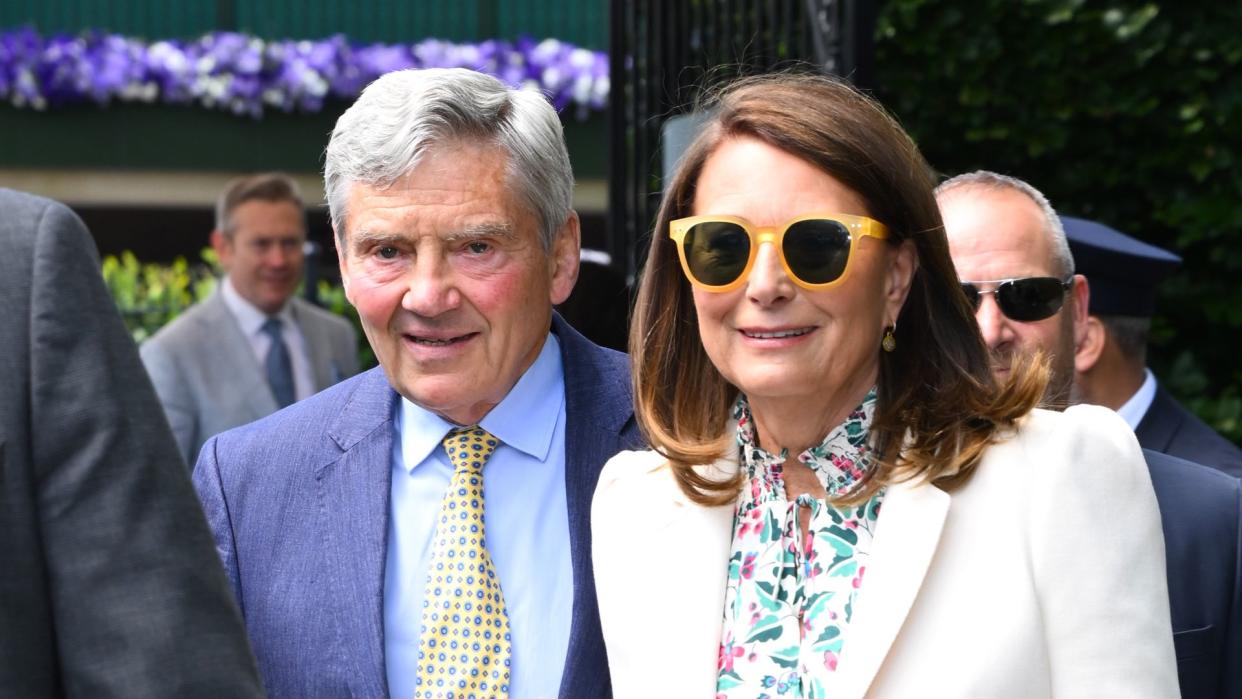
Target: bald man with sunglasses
1016	267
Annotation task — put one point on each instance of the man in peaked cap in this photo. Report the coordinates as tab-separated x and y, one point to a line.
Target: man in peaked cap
1111	363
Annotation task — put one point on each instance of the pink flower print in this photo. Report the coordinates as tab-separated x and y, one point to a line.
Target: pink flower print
858	578
830	660
851	524
748	566
728	652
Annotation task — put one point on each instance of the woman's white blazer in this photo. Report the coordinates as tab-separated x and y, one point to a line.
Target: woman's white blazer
1043	576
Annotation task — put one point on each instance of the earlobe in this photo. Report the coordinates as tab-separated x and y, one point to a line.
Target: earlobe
1087	352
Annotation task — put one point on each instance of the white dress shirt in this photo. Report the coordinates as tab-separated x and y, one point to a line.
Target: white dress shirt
251	320
1134	409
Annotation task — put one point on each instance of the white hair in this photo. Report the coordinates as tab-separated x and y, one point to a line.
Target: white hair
985	179
404	114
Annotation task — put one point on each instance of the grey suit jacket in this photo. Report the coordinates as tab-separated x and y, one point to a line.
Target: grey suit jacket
109	584
209	380
299	505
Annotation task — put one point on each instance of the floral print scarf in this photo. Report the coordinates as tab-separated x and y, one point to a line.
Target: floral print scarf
789	599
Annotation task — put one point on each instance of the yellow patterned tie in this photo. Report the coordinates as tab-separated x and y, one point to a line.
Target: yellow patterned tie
463	648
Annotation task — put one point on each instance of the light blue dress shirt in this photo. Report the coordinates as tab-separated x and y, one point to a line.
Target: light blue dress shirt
526	520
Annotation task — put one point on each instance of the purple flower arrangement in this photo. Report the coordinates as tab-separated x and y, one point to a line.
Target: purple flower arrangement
247	75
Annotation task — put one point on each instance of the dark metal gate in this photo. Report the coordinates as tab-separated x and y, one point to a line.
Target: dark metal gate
663	52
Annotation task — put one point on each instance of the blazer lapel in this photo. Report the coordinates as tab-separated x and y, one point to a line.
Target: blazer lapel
672	633
911	520
1159	424
318	346
597	410
234	356
355	491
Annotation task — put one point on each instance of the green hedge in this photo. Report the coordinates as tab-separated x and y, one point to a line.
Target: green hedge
1125	112
148	295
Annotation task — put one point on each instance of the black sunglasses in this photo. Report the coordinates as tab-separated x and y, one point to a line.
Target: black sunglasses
1024	300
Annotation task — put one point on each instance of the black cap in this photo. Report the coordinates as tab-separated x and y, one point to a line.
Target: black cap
1122	272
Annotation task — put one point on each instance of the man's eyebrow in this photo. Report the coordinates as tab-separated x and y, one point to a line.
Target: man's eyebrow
366	238
492	229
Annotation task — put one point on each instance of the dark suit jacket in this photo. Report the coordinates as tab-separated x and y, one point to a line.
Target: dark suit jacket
109	585
1201	515
299	504
1170	428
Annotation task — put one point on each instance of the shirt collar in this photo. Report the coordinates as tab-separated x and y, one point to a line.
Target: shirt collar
841	461
525	419
1134	409
248	315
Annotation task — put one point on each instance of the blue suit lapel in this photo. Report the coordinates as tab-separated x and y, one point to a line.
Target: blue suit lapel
599	423
354	492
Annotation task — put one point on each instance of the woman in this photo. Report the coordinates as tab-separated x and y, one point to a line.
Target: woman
841	501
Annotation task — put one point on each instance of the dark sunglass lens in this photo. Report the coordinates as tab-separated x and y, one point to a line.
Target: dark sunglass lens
972	295
716	251
1030	299
817	250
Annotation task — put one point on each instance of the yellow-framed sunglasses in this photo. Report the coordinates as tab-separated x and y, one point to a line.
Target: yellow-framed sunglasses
717	252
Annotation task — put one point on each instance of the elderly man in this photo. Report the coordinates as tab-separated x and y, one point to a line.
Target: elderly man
422	528
1014	262
110	587
1111	363
251	348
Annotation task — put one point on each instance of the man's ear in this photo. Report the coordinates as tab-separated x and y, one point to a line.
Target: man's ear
223	245
1081	299
340	260
564	258
1087	353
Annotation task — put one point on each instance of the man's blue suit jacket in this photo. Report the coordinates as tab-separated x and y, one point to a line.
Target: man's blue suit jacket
1201	514
1169	427
298	503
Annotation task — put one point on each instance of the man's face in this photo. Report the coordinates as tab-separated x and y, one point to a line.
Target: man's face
1000	234
263	256
452	284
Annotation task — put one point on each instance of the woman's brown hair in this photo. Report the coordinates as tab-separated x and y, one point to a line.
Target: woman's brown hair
938	406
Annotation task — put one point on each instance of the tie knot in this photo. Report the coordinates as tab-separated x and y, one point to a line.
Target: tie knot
272	327
469	447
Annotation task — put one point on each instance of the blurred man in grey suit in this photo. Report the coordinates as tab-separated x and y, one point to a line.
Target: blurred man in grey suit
109	583
251	348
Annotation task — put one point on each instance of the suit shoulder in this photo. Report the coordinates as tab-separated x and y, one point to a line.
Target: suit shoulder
24	213
306	426
1186	489
1089	444
639	473
632	464
185	332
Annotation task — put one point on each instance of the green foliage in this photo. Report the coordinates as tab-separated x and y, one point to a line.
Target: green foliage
149	295
332	297
1125	112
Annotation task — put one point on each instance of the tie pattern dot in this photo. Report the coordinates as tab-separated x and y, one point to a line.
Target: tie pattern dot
464	647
